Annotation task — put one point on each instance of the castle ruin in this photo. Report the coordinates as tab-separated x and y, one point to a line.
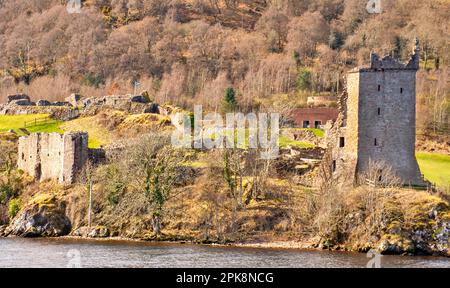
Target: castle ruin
53	156
377	121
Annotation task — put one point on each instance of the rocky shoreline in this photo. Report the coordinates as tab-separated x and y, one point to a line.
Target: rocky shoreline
271	245
278	245
48	219
429	234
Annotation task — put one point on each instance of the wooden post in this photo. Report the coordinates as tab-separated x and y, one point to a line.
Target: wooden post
90	204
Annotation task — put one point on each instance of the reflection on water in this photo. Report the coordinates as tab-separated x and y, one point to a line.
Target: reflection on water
15	252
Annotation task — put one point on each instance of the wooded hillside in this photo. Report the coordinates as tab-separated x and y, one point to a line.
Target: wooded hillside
190	51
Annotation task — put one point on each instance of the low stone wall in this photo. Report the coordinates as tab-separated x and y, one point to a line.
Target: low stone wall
299	165
135	104
63	113
97	155
321	101
75	104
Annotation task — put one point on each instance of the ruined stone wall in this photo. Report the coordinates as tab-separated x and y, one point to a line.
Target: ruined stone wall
350	130
53	156
320	101
75	105
129	103
55	112
28	156
343	160
75	155
50	154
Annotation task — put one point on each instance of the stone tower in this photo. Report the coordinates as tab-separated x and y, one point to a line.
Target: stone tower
378	120
53	156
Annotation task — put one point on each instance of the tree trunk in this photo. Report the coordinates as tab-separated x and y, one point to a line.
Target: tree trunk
156	222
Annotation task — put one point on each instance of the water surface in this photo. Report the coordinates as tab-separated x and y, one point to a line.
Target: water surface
17	252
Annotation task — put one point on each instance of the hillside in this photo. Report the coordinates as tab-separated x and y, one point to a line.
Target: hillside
187	52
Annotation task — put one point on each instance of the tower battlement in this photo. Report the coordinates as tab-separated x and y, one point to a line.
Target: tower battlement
390	63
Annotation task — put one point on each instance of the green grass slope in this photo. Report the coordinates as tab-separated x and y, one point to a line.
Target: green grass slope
435	167
15	122
97	135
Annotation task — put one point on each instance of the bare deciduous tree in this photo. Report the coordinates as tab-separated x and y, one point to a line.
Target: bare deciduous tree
155	164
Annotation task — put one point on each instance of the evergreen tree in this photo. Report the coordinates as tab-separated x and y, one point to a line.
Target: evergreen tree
304	79
230	103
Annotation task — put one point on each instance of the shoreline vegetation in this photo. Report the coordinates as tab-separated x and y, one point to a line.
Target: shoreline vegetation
398	243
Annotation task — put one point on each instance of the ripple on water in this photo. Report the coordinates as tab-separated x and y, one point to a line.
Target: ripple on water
17	252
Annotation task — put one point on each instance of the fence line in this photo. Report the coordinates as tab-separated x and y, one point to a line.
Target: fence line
38	122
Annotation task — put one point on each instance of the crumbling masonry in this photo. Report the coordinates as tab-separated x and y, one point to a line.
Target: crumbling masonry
53	156
377	121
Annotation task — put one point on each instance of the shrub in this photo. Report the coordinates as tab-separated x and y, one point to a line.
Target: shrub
147	96
14	207
11	183
93	80
116	185
6	192
304	79
114	191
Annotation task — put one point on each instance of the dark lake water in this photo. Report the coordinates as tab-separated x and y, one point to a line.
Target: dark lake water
15	252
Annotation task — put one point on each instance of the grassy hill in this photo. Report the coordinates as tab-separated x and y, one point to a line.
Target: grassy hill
19	121
98	135
102	128
435	167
